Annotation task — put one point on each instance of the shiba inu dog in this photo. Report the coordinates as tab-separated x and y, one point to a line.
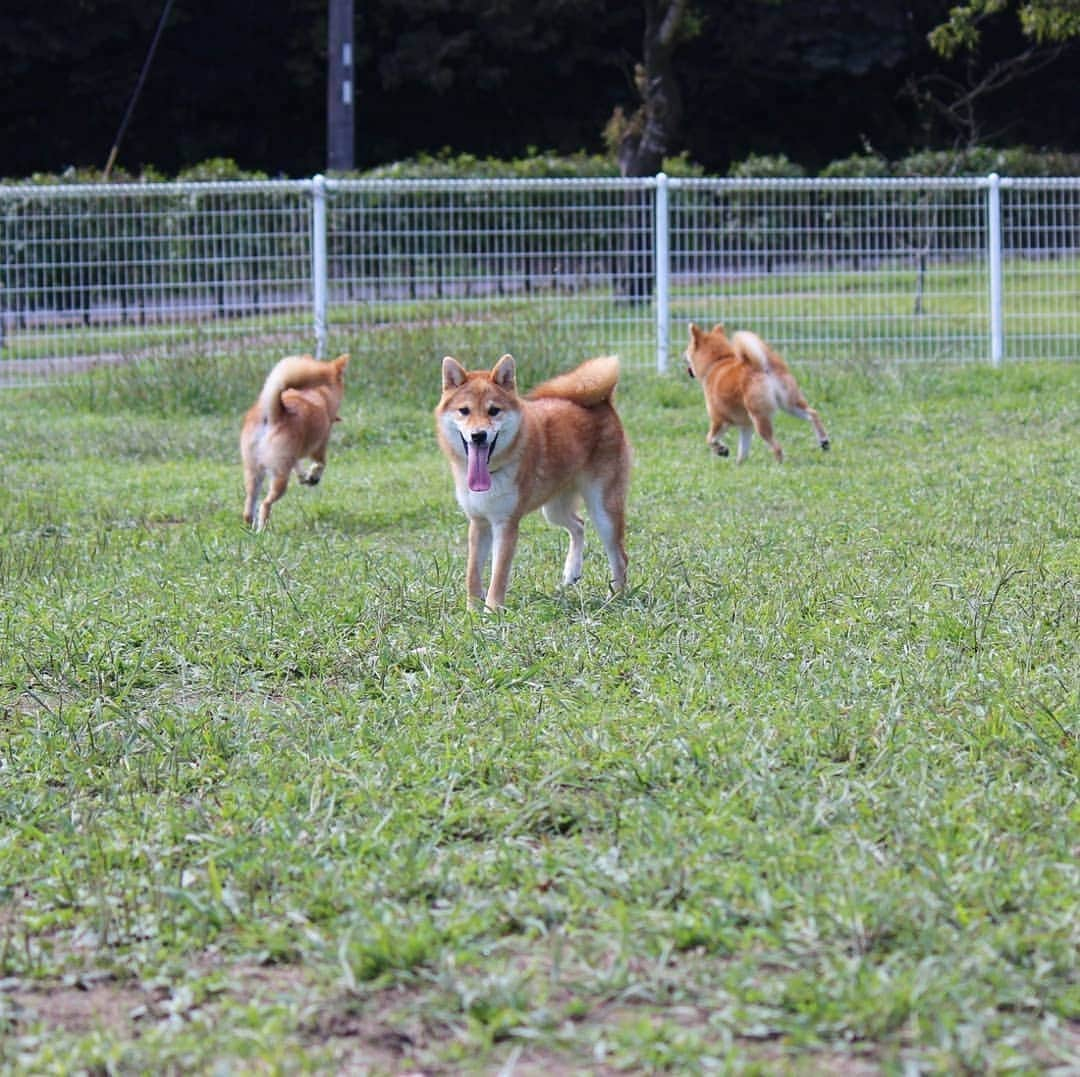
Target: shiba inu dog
289	422
745	383
510	455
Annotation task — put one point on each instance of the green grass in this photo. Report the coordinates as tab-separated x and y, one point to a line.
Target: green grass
804	799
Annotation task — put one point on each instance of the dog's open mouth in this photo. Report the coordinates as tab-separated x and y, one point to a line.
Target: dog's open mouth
477	457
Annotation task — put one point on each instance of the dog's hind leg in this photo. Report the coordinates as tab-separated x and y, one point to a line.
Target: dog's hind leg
562	512
607	512
798	407
278	485
763	425
746	436
714	438
311	476
253	481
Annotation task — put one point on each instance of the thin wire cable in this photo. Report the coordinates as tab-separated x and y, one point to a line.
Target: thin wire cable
138	88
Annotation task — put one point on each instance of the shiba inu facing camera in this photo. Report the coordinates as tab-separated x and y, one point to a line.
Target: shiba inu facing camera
290	421
560	445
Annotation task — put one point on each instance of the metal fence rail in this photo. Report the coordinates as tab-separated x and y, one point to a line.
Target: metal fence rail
899	270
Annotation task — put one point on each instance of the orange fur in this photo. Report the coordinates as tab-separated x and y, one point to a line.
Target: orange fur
560	445
745	383
290	421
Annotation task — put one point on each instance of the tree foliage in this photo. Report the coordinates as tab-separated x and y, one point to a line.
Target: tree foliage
1045	22
988	63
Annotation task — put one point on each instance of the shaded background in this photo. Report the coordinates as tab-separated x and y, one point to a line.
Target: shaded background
247	80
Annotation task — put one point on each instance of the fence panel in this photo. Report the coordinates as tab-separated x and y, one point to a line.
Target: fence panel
860	269
107	273
1041	268
562	268
841	269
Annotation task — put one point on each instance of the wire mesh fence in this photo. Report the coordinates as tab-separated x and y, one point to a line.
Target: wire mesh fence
1040	225
102	273
548	266
859	269
896	270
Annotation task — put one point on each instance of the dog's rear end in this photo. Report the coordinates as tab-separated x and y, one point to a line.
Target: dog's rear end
290	421
745	382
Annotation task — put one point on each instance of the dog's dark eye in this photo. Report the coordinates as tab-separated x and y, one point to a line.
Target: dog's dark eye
463	411
493	411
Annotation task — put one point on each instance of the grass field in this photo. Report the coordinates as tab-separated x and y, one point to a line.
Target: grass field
804	800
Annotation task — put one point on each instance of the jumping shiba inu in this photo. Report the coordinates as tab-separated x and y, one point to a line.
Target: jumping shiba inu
511	455
290	421
745	382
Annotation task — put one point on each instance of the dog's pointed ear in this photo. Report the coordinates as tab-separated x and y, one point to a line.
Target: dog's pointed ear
453	373
503	374
695	333
340	363
719	328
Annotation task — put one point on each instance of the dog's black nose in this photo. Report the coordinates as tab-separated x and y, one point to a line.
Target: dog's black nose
479	437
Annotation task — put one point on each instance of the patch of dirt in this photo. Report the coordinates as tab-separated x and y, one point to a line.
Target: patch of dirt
394	1030
78	1008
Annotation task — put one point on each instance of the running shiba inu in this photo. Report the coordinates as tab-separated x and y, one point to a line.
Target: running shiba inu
745	382
511	455
289	422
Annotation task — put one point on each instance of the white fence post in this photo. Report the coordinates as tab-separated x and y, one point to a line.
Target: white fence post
318	263
662	264
993	209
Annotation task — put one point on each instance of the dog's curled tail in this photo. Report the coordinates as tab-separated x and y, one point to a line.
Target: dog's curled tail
752	349
590	384
297	372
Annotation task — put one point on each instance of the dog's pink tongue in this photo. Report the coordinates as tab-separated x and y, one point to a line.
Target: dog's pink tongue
479	477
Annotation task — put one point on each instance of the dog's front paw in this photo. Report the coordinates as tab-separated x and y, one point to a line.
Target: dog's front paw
720	449
825	445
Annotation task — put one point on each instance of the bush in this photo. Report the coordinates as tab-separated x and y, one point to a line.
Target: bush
857	166
73	176
217	168
760	166
448	165
537	164
982	160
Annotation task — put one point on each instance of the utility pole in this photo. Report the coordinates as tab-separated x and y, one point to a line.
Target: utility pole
340	115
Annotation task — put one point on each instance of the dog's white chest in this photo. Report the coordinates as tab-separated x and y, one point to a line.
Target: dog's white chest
497	503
